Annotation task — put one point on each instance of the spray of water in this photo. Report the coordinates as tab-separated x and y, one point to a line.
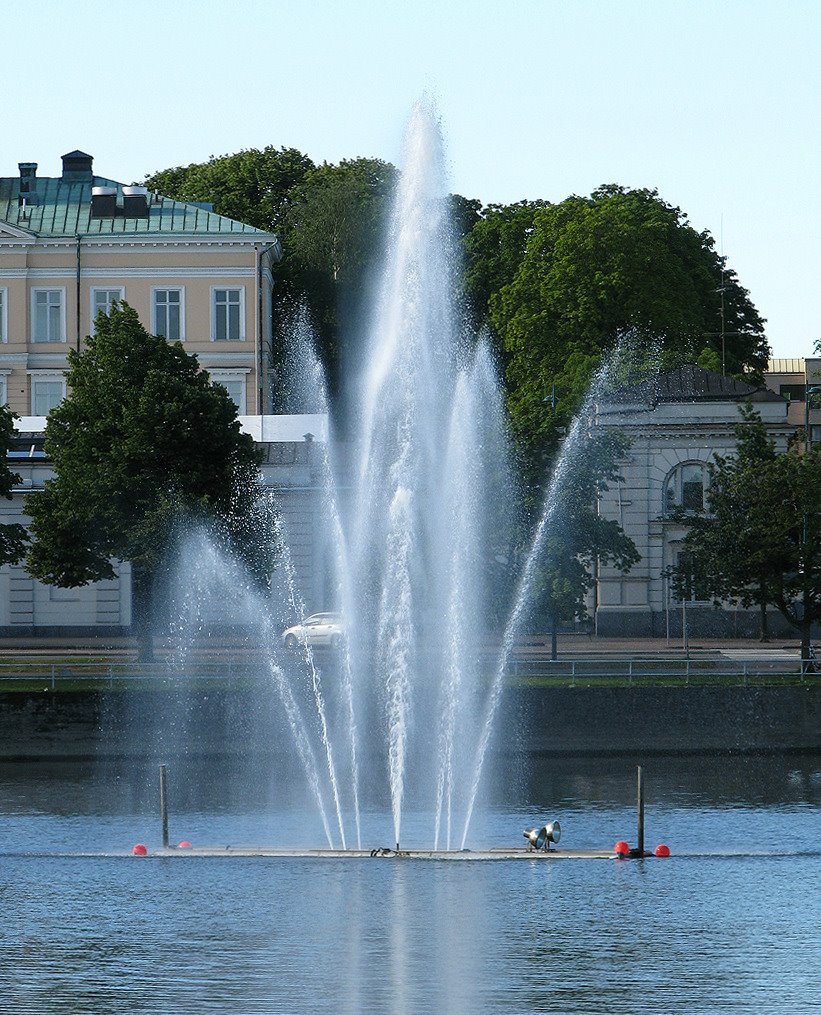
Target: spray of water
566	460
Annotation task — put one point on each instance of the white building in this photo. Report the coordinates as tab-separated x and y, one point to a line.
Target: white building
291	467
677	422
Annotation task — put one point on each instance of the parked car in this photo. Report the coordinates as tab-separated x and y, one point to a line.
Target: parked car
320	629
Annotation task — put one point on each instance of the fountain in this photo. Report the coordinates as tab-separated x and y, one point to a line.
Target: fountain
412	517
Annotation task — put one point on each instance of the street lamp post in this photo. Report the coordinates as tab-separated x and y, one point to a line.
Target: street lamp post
815	390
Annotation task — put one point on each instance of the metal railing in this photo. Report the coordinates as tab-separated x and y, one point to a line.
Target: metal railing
44	675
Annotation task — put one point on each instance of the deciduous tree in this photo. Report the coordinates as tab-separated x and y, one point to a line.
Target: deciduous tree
579	539
600	267
759	542
142	441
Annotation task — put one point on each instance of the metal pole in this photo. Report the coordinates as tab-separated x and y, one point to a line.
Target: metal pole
684	631
163	807
640	810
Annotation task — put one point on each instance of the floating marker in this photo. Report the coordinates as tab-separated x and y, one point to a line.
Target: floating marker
621	848
185	844
139	850
662	850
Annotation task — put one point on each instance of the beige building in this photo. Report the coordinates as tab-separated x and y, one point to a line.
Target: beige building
71	245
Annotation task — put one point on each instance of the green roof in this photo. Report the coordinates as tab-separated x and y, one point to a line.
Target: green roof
63	208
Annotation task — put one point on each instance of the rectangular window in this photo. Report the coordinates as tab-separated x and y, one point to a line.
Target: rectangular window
168	314
4	324
102	300
235	386
46	394
4	391
227	323
48	315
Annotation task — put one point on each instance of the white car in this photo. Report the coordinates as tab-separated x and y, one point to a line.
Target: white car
320	629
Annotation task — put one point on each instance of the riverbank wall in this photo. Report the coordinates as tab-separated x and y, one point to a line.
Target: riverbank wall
554	721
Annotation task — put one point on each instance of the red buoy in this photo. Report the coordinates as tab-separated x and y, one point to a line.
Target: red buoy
185	844
139	850
621	848
662	850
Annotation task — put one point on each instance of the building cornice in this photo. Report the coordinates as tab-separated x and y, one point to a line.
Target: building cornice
181	241
181	271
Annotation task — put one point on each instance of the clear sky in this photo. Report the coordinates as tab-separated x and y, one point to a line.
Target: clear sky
714	103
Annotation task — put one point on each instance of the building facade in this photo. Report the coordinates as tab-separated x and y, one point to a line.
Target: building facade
677	422
292	467
72	245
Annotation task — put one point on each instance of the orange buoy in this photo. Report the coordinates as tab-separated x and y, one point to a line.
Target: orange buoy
621	848
139	850
662	850
185	844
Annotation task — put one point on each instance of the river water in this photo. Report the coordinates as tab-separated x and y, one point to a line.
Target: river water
730	923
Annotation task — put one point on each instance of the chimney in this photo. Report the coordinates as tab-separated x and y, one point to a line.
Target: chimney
28	183
135	202
103	202
77	167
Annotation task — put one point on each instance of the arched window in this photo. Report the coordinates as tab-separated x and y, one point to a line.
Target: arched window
684	488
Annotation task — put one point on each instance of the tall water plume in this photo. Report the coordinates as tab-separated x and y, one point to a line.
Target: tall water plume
417	524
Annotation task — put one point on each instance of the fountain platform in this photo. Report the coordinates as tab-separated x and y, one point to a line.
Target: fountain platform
497	853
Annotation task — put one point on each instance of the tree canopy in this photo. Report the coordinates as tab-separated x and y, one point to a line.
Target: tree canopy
13	536
251	186
620	262
759	542
143	440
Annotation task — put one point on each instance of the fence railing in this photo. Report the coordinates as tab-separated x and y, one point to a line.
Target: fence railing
45	675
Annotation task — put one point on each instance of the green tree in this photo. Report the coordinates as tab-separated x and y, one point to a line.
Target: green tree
579	540
251	186
331	236
494	249
620	262
13	536
143	441
759	541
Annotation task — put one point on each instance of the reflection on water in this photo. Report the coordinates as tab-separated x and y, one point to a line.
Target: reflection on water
692	934
271	936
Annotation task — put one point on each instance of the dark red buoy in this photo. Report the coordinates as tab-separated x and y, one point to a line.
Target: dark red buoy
621	848
139	850
662	850
185	844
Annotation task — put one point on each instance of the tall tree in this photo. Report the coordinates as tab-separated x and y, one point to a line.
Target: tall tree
143	441
759	541
13	536
332	234
600	267
494	249
579	539
252	186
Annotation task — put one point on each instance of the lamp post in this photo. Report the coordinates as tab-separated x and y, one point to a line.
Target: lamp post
815	390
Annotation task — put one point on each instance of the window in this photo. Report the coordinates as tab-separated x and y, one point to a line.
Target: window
228	315
684	488
169	313
46	394
48	315
792	392
234	384
102	300
4	390
4	323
